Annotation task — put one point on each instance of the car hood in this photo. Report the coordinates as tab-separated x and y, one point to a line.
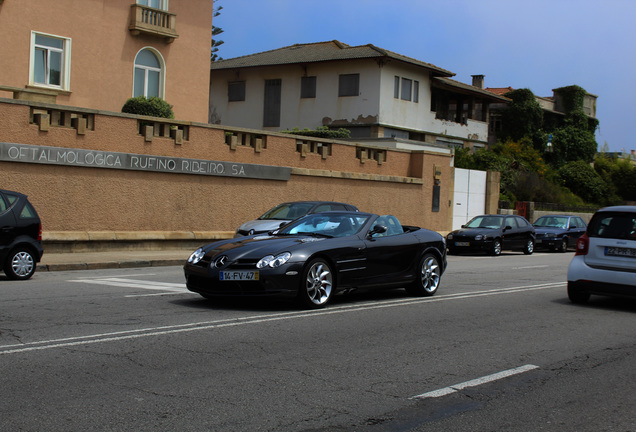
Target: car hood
258	246
263	225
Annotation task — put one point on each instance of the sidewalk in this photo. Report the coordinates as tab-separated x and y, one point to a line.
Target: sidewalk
116	259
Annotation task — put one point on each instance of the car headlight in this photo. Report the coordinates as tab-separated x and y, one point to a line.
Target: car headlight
273	261
479	237
450	237
196	256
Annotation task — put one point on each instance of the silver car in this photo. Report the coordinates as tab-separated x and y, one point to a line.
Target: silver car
605	259
286	212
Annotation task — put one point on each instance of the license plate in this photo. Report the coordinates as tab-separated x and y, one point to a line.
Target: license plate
462	243
239	275
622	252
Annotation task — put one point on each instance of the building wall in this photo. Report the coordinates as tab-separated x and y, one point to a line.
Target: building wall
103	51
84	198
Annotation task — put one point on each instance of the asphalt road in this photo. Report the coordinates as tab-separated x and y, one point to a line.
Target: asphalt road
499	347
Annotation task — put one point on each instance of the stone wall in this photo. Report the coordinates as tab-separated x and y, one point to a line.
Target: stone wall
100	177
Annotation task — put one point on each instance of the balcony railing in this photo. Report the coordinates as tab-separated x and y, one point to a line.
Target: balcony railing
153	21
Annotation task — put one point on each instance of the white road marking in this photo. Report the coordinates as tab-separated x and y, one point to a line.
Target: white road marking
134	283
476	382
255	319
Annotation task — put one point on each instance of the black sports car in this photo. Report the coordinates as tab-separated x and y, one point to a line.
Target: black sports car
314	257
492	234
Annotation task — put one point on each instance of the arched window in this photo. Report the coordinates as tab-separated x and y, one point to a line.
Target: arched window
148	78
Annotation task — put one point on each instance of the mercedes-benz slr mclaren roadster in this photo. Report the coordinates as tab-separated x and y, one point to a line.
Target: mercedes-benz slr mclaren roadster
317	256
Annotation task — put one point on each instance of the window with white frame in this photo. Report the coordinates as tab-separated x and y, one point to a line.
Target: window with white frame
157	4
148	76
50	61
406	89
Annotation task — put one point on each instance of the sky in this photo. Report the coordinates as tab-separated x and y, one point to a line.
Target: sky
536	44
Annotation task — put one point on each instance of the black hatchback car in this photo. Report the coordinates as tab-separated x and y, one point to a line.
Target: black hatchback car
492	234
20	235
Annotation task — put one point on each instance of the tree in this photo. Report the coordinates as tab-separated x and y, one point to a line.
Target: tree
583	180
215	32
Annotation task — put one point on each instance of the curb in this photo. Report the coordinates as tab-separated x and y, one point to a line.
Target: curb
109	265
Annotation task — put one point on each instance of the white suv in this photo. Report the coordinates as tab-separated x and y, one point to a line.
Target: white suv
605	259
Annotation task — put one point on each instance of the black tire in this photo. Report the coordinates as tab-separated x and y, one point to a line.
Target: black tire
576	296
496	247
563	247
529	246
20	264
429	275
317	284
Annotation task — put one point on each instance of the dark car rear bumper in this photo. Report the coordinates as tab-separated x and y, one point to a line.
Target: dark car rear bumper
602	288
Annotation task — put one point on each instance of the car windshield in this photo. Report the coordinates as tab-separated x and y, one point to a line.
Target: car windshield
490	222
551	222
326	225
287	211
616	225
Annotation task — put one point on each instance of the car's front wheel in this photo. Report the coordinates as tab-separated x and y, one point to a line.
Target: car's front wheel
428	277
496	247
529	247
563	247
316	284
20	264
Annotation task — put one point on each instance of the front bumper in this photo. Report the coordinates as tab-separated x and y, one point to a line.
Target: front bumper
458	245
283	281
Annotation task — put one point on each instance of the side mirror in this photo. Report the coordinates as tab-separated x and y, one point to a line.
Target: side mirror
508	227
378	229
282	224
572	227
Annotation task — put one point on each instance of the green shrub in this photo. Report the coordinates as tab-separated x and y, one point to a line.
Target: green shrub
321	132
152	107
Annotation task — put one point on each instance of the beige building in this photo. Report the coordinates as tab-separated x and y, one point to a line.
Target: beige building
98	53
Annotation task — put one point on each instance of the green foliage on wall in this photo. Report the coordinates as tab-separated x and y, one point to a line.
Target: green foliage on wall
523	117
321	132
152	107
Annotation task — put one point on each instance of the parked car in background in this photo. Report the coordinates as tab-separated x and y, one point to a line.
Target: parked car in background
492	234
605	258
314	257
558	232
20	235
286	212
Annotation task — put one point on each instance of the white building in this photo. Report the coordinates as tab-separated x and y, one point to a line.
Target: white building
380	96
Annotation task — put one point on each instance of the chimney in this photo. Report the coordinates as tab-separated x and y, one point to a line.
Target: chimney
478	81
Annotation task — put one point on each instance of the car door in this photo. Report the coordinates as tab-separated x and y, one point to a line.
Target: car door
7	226
390	257
511	238
576	229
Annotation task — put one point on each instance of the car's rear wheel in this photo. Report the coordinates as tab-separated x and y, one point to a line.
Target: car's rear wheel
496	247
316	284
529	247
576	296
428	277
20	264
563	247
